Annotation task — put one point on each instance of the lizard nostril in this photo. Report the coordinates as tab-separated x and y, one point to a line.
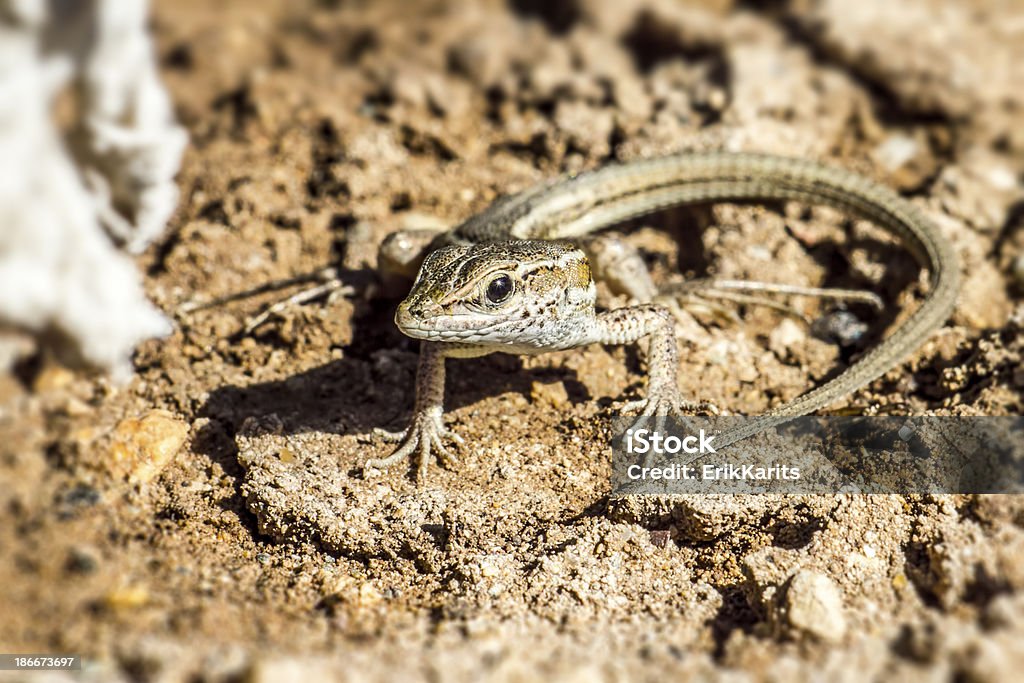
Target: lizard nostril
404	315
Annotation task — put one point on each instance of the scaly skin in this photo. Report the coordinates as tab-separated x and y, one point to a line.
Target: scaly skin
550	305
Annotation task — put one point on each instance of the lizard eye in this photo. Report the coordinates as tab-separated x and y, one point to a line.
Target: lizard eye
499	289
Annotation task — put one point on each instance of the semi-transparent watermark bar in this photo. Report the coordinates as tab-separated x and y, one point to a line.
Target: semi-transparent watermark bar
819	455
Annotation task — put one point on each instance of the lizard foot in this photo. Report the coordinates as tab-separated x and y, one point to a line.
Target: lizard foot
671	405
427	434
664	404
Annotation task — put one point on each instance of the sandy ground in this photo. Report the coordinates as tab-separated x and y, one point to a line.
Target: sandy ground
209	521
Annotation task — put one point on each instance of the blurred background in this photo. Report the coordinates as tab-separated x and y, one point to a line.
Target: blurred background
165	160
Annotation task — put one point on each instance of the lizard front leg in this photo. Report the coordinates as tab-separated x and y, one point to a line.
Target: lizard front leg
632	323
426	431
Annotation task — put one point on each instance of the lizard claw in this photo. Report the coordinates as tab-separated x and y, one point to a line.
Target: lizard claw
664	404
668	403
426	434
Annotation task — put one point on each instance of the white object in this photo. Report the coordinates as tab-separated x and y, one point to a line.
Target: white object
70	206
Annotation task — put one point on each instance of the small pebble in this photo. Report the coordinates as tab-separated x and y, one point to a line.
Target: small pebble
660	537
786	335
369	595
553	393
907	160
78	497
126	598
814	607
142	447
52	378
81	561
839	327
896	151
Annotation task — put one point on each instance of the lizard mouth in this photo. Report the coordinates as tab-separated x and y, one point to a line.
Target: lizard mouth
421	321
451	327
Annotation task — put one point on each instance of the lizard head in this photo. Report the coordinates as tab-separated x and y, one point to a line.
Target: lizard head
521	293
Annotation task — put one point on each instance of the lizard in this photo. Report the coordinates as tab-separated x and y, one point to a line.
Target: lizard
519	278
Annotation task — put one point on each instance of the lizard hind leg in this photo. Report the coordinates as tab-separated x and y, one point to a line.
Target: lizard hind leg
619	265
622	268
698	294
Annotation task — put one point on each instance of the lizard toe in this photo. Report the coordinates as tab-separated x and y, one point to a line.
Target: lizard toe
426	435
389	435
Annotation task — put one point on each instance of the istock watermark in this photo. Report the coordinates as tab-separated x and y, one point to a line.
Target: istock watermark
643	441
820	455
